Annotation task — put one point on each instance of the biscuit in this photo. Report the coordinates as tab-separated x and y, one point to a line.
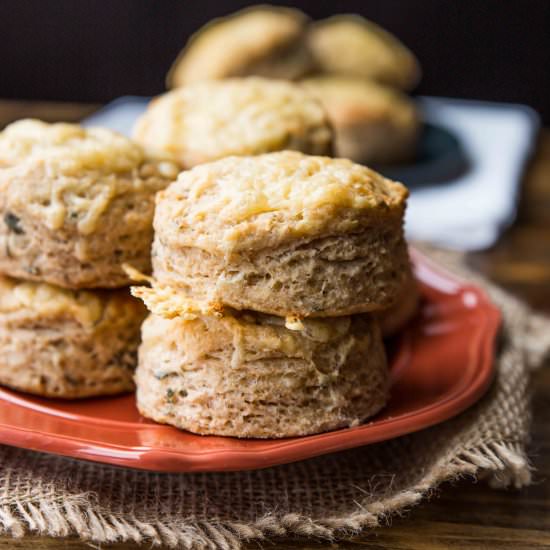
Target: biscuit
283	233
207	121
75	204
373	124
246	375
263	40
353	46
67	343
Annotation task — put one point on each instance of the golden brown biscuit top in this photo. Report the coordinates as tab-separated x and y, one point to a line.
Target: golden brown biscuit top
70	147
65	174
88	308
240	116
226	46
354	101
241	202
352	45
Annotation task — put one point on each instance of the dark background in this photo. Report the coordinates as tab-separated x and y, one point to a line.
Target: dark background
96	50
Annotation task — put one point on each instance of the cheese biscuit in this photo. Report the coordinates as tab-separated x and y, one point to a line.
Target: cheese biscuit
353	46
65	343
75	204
373	124
262	40
207	121
246	375
283	233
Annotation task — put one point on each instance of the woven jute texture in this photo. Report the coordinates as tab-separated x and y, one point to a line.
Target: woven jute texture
329	497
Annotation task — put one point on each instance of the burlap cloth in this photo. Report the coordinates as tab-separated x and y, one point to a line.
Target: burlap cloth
328	497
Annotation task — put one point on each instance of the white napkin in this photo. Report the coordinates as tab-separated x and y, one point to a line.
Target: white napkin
471	211
467	213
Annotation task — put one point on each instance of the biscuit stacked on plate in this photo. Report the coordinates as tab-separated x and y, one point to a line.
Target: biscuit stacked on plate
75	204
268	272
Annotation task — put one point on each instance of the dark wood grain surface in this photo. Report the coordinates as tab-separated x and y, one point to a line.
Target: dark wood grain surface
466	514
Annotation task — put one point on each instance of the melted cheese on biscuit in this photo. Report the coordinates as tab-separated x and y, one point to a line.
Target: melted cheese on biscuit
49	300
82	170
86	307
168	302
305	193
69	146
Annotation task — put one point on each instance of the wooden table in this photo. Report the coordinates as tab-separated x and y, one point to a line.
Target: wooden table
466	514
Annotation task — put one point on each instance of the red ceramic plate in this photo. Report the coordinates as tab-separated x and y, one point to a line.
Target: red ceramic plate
441	364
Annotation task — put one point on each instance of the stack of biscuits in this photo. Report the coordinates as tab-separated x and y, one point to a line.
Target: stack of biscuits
269	275
358	71
74	205
275	272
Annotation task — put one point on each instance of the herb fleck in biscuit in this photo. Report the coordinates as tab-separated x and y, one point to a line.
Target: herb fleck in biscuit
351	45
67	343
75	204
246	375
263	40
207	121
373	124
282	233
